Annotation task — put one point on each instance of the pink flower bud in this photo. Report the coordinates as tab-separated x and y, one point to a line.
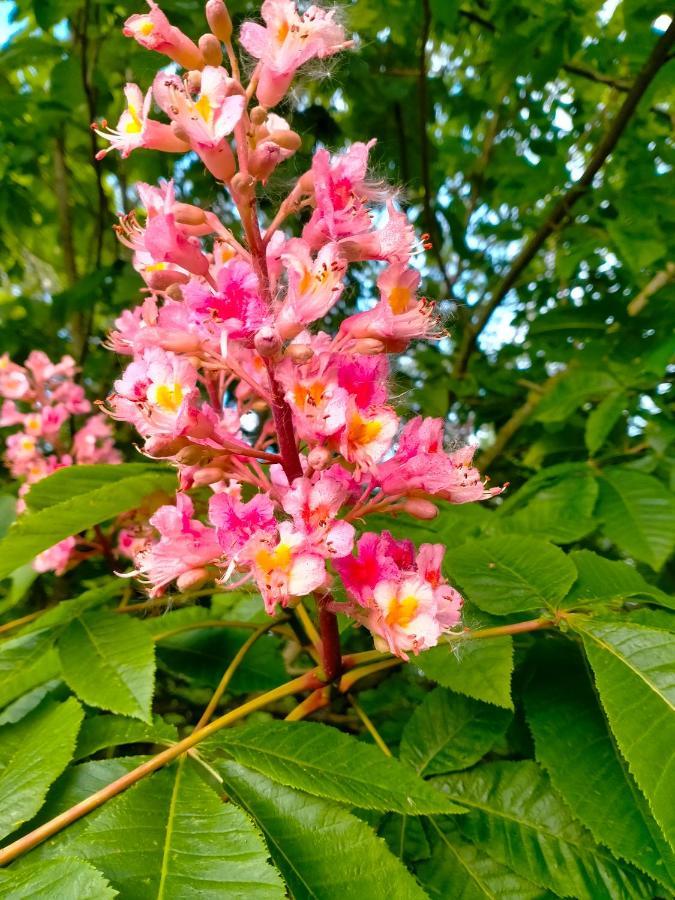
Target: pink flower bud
289	140
219	20
258	115
191	579
187	214
191	455
369	346
319	458
182	343
174	292
299	353
243	185
163	447
211	49
193	81
268	342
420	509
180	132
207	475
306	183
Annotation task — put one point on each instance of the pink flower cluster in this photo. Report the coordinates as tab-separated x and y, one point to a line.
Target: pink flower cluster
41	398
284	436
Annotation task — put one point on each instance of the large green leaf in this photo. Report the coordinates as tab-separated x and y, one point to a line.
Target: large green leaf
601	580
511	574
26	661
172	837
638	513
67	879
73	499
33	753
516	817
575	746
478	668
561	512
458	865
102	732
328	763
635	674
450	732
601	421
575	387
323	852
109	661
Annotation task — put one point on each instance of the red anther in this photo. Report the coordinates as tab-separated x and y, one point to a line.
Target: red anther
426	236
427	245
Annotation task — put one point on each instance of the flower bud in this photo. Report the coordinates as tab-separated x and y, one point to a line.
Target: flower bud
162	447
289	140
299	353
319	458
192	579
181	342
191	455
207	475
258	115
369	346
211	49
193	81
219	20
243	185
420	509
268	342
306	183
187	214
174	292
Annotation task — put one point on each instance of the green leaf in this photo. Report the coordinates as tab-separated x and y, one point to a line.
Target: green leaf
323	851
50	878
633	667
328	763
73	499
638	513
575	746
102	732
516	817
601	421
473	874
109	661
25	662
560	512
478	668
574	388
450	732
33	753
511	574
601	580
172	836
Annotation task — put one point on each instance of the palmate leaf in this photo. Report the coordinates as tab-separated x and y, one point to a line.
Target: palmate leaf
171	837
467	870
511	574
47	879
102	732
323	851
33	753
25	662
480	669
560	512
328	763
635	676
73	499
575	746
450	732
109	661
516	817
638	514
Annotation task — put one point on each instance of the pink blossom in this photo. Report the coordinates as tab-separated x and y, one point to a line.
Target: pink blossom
93	443
57	558
314	285
315	505
367	434
185	545
154	32
288	40
237	522
135	129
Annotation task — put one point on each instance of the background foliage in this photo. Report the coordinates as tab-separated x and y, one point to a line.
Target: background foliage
531	762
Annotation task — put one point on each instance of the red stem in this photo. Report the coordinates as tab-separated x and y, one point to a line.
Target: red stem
331	658
283	419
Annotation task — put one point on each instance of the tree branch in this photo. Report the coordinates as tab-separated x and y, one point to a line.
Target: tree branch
62	193
660	280
561	209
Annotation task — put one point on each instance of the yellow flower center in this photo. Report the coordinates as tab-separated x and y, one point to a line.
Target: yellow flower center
399	300
167	396
282	32
32	423
135	126
402	612
308	396
362	431
279	558
27	444
203	107
146	27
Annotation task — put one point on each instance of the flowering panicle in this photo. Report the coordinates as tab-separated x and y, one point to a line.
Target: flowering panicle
41	398
284	436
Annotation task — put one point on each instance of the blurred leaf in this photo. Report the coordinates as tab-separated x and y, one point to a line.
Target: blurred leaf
55	878
480	668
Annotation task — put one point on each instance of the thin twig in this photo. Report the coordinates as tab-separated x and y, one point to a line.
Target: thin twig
365	718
